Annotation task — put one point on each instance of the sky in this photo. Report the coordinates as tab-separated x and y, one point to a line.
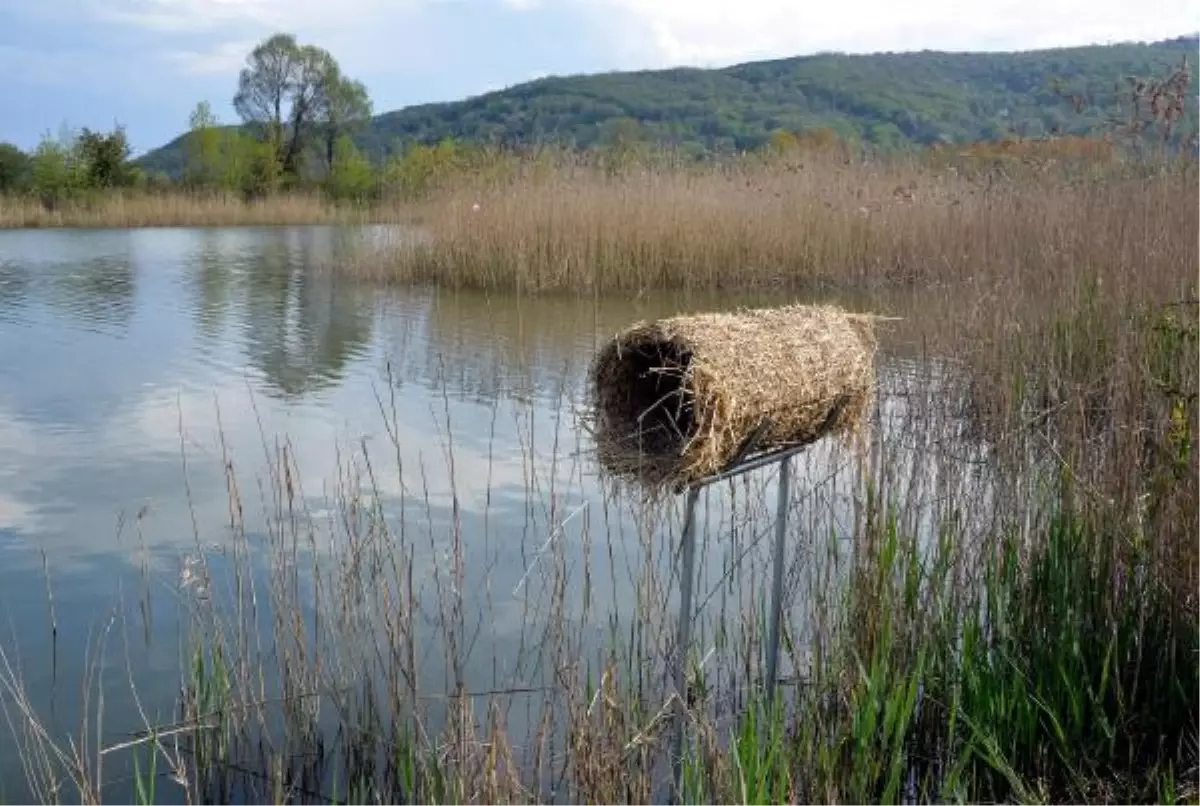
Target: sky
146	63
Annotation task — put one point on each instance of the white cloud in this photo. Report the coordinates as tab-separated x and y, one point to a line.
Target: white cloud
403	37
143	440
705	32
306	18
224	58
15	514
216	35
183	16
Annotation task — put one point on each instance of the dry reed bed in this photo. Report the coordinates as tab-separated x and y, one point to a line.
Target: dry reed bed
785	226
183	210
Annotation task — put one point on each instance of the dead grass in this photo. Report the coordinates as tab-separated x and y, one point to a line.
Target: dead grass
121	210
789	224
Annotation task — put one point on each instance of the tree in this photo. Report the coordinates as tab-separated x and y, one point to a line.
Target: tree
54	171
104	158
350	174
202	167
14	168
265	85
308	100
344	109
281	90
253	166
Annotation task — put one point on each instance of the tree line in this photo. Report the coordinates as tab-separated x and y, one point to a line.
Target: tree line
298	113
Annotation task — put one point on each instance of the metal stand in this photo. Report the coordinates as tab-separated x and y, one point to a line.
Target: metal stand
737	467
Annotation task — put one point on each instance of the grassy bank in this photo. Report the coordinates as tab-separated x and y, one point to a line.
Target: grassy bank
1008	611
182	209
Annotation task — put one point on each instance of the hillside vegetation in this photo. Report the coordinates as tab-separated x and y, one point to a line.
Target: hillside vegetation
887	99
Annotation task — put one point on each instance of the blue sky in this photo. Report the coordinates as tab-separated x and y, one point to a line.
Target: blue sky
145	63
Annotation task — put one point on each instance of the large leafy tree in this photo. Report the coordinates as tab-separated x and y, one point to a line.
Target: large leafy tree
291	92
345	109
265	84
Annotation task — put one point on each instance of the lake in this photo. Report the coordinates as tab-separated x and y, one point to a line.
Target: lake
144	372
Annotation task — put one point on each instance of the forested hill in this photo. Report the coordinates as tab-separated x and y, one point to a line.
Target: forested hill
888	99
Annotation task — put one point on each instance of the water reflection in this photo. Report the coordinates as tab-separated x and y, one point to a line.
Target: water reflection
300	327
92	288
211	275
14	288
98	292
303	331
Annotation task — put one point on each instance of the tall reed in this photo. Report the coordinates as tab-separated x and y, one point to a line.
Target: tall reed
792	224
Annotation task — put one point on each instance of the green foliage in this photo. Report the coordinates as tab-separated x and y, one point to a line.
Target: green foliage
1071	675
55	171
760	757
104	159
418	170
254	167
351	176
206	160
74	164
14	168
267	88
228	160
345	110
144	782
1082	674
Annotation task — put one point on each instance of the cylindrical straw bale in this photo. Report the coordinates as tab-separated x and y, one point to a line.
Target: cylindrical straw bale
677	399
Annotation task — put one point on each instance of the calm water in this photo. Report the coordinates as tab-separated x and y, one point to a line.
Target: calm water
124	354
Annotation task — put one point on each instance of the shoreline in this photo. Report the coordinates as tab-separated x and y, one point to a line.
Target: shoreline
191	211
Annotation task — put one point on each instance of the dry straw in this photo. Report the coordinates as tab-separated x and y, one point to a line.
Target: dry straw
678	399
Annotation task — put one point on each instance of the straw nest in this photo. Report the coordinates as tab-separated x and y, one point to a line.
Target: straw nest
678	399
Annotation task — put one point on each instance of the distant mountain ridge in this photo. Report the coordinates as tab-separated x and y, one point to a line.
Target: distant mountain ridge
889	99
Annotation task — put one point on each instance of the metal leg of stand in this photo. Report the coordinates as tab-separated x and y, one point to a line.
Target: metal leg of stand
684	640
777	581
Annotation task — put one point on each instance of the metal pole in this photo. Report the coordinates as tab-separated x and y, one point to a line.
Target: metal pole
684	638
777	582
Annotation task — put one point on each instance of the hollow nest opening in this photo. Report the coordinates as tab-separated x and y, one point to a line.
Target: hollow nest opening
648	398
681	398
